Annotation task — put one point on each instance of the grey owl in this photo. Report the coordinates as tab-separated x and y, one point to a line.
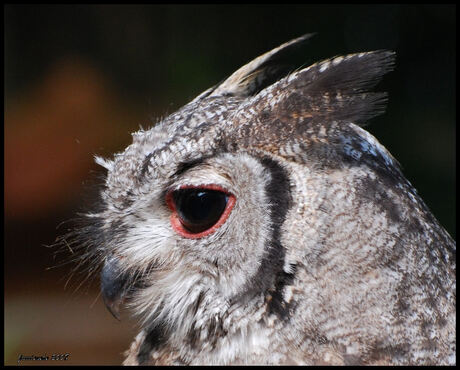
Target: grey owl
260	224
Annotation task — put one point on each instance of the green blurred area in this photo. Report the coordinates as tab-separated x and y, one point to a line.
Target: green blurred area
80	78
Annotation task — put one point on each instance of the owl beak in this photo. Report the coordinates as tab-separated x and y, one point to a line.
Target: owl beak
114	286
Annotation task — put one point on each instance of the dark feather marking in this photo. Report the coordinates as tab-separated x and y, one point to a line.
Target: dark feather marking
145	166
279	193
198	303
374	191
187	165
270	278
155	338
277	305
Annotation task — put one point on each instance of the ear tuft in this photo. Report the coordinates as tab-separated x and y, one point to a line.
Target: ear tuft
339	89
262	71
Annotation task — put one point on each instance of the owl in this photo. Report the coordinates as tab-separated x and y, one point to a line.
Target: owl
261	224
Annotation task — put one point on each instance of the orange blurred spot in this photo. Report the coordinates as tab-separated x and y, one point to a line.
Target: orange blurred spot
52	133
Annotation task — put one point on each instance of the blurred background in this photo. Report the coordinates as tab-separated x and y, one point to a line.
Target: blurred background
80	78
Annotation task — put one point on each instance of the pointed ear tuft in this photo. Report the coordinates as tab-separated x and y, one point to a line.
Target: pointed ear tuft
349	74
262	71
337	89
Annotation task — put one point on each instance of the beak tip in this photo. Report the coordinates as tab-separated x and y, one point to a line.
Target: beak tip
113	287
114	308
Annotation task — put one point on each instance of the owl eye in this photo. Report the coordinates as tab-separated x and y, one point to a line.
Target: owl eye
198	211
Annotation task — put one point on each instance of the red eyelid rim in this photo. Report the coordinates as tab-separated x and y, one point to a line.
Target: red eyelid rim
175	221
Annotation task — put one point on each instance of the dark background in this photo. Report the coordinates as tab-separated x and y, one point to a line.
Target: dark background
80	78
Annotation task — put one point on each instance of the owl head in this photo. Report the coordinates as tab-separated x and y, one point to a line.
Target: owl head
262	194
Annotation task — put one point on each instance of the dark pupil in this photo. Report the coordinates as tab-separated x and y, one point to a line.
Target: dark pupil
199	209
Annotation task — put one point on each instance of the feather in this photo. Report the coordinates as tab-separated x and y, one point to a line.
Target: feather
262	71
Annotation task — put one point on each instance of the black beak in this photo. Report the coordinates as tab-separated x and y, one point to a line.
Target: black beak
114	286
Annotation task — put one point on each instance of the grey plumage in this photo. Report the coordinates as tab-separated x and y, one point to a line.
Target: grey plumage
326	256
